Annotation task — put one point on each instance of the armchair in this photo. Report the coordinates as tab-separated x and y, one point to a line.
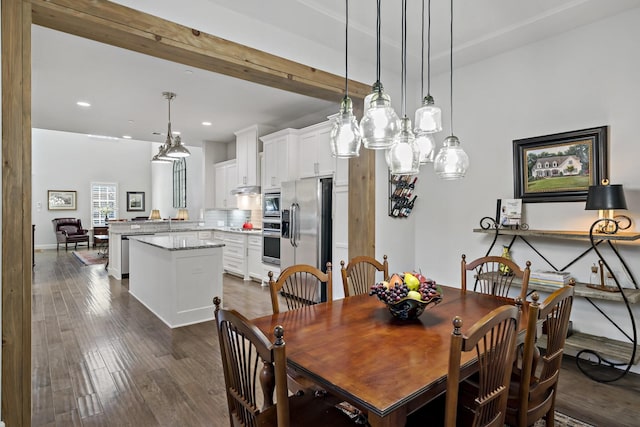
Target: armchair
69	230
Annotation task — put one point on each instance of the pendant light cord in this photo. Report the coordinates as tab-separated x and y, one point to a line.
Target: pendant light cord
378	26
169	133
404	58
451	71
346	48
422	55
428	46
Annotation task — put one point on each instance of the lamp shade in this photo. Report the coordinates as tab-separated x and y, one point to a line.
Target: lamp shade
155	214
605	197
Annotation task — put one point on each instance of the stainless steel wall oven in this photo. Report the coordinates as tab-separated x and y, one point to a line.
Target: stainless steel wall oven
271	241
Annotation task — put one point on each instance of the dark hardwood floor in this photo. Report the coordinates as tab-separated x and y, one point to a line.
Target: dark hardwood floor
100	358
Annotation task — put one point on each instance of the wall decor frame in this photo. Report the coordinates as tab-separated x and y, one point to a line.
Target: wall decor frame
62	200
135	201
560	167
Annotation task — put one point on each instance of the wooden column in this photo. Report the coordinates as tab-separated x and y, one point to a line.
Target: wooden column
16	212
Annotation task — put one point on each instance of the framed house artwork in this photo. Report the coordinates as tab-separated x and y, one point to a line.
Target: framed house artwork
559	167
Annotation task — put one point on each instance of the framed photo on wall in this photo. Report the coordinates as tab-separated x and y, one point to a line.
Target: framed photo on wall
135	201
61	200
560	167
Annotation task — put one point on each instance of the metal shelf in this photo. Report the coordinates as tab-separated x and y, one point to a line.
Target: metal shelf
608	352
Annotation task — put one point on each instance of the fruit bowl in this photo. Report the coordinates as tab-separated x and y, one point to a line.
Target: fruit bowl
407	294
409	308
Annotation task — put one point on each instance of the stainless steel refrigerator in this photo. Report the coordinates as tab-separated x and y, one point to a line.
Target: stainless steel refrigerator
306	223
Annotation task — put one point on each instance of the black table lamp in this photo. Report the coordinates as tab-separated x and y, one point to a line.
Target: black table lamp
605	198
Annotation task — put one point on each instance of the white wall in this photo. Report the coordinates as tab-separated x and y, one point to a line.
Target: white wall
71	161
580	79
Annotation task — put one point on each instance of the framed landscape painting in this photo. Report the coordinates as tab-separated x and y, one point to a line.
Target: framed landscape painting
135	201
61	200
559	167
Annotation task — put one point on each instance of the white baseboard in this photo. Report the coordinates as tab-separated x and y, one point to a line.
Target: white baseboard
1	424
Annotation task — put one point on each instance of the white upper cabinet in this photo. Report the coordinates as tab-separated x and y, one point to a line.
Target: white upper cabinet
225	180
314	155
280	158
247	156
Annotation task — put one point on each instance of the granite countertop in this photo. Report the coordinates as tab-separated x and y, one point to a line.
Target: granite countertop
237	230
177	243
149	230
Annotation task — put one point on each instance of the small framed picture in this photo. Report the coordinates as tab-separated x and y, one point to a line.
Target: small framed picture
509	213
135	201
559	167
60	200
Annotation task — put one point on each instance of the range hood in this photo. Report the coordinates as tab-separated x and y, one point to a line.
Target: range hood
248	190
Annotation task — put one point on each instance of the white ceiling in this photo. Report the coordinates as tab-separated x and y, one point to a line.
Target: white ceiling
125	88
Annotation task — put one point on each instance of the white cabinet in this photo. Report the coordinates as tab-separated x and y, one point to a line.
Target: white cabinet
280	158
225	180
254	260
239	253
247	156
315	157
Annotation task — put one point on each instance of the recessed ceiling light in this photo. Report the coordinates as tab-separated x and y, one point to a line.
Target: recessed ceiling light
175	132
126	136
206	123
188	72
130	121
83	104
103	137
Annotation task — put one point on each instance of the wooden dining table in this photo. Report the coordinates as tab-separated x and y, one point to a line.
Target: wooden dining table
387	367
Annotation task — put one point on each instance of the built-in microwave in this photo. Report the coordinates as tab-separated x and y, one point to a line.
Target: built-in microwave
271	205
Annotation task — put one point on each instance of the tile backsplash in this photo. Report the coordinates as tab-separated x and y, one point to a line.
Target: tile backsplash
232	217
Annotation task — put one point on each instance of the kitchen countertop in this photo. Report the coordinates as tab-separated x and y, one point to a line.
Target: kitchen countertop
177	243
149	231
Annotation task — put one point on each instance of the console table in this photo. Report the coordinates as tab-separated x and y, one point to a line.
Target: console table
603	349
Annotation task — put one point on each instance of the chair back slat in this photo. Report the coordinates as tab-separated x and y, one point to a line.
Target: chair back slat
494	275
360	274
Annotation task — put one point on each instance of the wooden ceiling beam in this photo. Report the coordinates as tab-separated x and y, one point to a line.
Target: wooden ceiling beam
131	29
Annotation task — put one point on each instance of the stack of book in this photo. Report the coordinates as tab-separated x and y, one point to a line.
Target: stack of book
550	278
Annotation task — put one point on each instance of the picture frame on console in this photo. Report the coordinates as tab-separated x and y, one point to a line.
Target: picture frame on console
135	201
61	200
559	167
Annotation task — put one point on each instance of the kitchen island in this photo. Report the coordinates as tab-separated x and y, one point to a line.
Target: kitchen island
176	277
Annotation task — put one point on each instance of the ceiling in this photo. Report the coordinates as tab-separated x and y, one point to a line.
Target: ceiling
125	88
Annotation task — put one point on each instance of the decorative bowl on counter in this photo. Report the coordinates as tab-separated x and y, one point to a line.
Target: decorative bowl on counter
406	295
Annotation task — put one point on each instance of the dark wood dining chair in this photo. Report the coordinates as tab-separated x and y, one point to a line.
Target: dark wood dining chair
480	400
300	285
255	371
494	275
483	401
535	379
360	274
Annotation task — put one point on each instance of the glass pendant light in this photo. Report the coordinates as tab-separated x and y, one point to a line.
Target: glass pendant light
428	118
173	147
345	134
380	123
451	162
403	158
